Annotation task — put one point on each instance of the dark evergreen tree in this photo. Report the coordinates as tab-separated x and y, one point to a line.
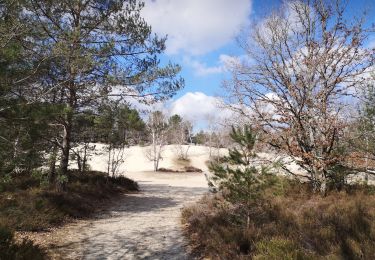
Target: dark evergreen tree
97	50
24	119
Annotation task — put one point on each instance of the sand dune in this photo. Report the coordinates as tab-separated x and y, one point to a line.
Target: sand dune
136	158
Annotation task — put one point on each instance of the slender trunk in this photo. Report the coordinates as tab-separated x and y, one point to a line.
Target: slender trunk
79	163
84	161
109	159
66	148
52	166
158	158
187	151
155	152
64	163
17	168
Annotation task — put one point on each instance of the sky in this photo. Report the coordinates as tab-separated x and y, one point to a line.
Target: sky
202	39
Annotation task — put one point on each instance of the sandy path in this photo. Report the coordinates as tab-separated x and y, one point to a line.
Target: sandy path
145	225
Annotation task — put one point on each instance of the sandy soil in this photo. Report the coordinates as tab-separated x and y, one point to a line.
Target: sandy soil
143	225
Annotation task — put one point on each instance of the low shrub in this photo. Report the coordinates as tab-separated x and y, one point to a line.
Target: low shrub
288	222
31	206
166	170
185	169
192	169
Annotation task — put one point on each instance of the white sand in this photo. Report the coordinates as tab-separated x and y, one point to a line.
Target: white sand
137	161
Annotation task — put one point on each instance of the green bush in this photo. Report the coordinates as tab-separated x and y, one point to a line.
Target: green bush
279	248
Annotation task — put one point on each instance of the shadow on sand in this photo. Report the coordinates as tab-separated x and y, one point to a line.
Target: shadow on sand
143	225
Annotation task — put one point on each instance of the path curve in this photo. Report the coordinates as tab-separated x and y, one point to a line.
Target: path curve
144	225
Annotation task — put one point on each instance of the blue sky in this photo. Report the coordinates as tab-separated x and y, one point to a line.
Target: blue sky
201	38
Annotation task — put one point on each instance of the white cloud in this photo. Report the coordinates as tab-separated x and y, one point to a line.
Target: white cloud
202	110
195	26
371	44
198	107
202	69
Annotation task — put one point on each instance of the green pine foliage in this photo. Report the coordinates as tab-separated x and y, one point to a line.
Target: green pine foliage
237	177
367	122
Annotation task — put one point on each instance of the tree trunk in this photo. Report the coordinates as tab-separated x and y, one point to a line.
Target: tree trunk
17	169
323	182
65	150
79	163
84	161
319	181
109	159
158	158
323	186
52	166
155	153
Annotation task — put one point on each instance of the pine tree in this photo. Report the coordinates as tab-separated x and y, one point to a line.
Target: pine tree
23	120
367	126
97	50
235	176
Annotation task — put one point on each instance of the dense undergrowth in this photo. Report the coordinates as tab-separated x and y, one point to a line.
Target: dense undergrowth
288	221
28	204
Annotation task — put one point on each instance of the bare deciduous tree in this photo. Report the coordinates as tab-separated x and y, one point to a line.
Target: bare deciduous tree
81	153
180	133
304	65
116	158
158	129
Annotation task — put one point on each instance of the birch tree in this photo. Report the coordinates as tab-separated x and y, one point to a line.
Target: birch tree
158	129
180	134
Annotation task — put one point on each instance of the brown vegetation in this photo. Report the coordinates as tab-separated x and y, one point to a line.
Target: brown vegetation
27	204
192	169
11	249
185	169
288	222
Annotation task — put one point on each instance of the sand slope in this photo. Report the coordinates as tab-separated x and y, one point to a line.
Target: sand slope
136	158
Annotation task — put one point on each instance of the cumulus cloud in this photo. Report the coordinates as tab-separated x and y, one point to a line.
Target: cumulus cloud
199	107
195	26
202	110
